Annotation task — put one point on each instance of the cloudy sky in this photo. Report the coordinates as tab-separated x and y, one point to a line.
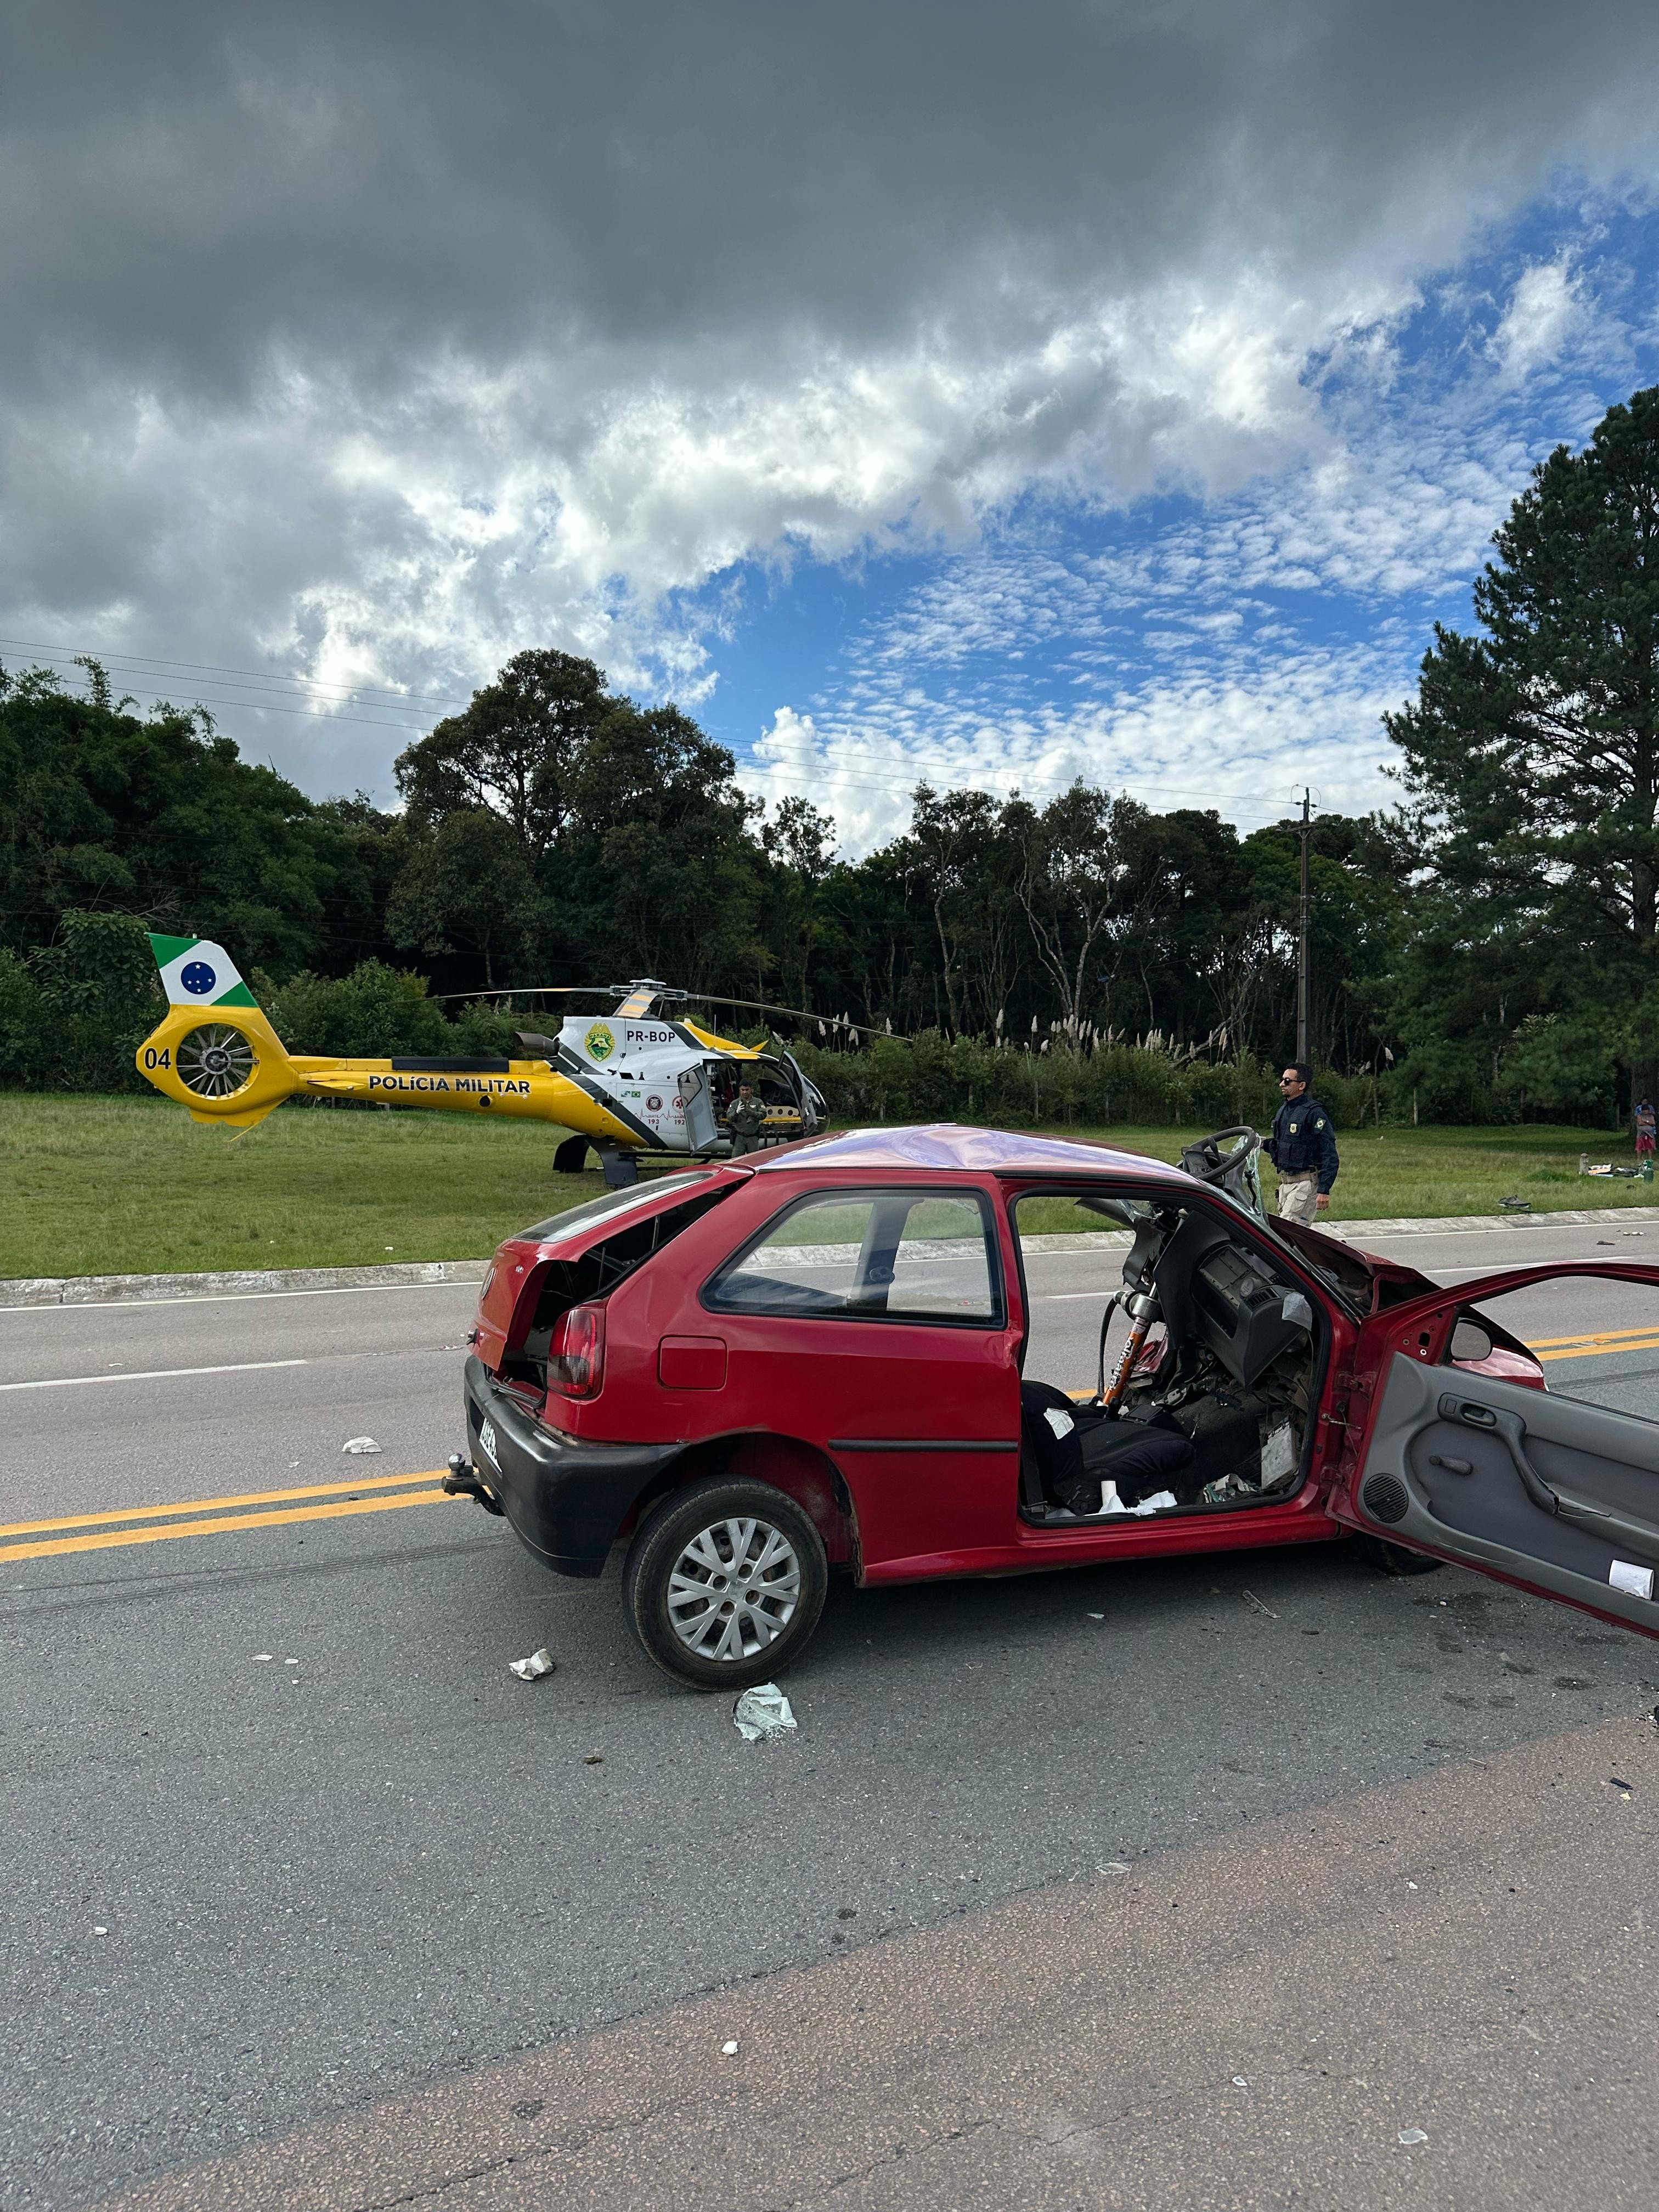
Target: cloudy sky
991	393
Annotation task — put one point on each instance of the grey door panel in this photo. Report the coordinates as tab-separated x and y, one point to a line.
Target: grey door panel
1543	1487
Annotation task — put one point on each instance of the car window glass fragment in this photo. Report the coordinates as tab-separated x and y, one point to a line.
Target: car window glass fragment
1171	1360
896	1255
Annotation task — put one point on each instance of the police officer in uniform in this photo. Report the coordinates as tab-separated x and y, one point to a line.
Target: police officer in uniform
1303	1147
743	1117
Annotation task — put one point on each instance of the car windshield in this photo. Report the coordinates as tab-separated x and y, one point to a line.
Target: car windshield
562	1226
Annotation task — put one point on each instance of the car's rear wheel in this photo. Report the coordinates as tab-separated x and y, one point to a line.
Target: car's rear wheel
725	1582
1393	1559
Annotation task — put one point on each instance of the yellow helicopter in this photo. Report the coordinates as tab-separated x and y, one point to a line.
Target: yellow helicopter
639	1080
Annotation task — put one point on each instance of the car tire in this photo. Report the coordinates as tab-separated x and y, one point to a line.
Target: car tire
728	1534
1393	1559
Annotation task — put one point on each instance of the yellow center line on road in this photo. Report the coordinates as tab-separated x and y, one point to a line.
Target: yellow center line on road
109	1539
1585	1348
1597	1336
218	1504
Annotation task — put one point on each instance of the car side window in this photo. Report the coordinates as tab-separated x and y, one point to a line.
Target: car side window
916	1256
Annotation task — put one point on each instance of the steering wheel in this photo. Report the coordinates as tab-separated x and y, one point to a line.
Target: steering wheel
1218	1168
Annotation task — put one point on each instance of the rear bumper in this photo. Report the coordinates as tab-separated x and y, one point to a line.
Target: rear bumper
565	1498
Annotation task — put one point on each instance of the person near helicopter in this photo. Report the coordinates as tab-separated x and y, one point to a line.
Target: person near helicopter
743	1118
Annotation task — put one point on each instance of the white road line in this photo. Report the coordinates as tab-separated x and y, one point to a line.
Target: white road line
152	1375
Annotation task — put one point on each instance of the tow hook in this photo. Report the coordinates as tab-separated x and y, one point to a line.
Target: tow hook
461	1481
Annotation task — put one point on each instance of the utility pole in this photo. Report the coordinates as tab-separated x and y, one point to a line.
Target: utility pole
1302	948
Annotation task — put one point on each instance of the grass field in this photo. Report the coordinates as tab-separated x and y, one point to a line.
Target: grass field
116	1186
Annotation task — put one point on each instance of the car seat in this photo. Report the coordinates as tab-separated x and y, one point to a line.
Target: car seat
1073	1448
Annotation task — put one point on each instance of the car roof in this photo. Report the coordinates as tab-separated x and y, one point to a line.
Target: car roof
948	1145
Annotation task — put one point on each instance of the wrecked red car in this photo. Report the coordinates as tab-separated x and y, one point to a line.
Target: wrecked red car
842	1354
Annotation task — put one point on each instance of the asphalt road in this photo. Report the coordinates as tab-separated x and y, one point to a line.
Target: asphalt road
246	1894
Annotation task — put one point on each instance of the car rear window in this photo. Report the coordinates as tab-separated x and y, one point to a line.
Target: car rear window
615	1202
915	1256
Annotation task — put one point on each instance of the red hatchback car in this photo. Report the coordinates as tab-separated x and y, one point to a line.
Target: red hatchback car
832	1354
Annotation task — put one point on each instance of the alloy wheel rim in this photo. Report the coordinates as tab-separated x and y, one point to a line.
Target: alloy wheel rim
733	1590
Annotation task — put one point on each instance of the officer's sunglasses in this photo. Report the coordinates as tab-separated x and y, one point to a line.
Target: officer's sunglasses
1285	1079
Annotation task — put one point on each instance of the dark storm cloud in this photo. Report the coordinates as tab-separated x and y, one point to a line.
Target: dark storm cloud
376	340
186	186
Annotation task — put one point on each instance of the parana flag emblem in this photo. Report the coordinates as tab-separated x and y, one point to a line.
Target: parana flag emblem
197	973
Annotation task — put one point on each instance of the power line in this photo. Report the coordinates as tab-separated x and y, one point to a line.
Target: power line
303	684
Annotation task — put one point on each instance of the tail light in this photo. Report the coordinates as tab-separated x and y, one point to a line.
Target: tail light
575	1354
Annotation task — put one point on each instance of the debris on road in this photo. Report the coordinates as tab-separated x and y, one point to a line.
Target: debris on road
1625	1789
1096	1616
762	1711
729	2050
593	1759
1240	2081
364	1445
264	1655
532	1669
1256	1606
1413	2135
1114	1866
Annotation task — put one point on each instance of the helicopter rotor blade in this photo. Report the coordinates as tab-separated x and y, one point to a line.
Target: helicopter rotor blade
542	990
764	1006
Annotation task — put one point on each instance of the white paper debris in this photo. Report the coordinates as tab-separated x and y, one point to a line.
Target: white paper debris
1113	1866
729	2050
364	1445
1096	1616
532	1669
762	1711
100	1931
1625	1575
1240	2082
1159	1501
1413	2135
1058	1420
264	1655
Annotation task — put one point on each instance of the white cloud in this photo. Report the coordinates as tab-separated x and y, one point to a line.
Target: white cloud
376	344
1544	312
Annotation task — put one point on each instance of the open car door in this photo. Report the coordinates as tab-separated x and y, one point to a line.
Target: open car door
1497	1474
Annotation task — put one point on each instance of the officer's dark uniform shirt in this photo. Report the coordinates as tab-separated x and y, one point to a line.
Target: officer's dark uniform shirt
743	1118
1303	1141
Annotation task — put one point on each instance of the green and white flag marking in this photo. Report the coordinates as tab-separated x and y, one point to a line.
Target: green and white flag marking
197	973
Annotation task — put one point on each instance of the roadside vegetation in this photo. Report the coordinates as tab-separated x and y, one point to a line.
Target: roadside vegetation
120	1185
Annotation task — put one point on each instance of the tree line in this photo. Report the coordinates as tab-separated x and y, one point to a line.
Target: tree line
1482	949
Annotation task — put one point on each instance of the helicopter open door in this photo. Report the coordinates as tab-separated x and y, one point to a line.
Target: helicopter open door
699	1104
808	1097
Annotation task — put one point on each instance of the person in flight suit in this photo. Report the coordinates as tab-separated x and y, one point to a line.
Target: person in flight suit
743	1117
1303	1147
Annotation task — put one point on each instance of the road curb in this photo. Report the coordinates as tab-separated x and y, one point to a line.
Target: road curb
1453	1224
233	1283
255	1282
